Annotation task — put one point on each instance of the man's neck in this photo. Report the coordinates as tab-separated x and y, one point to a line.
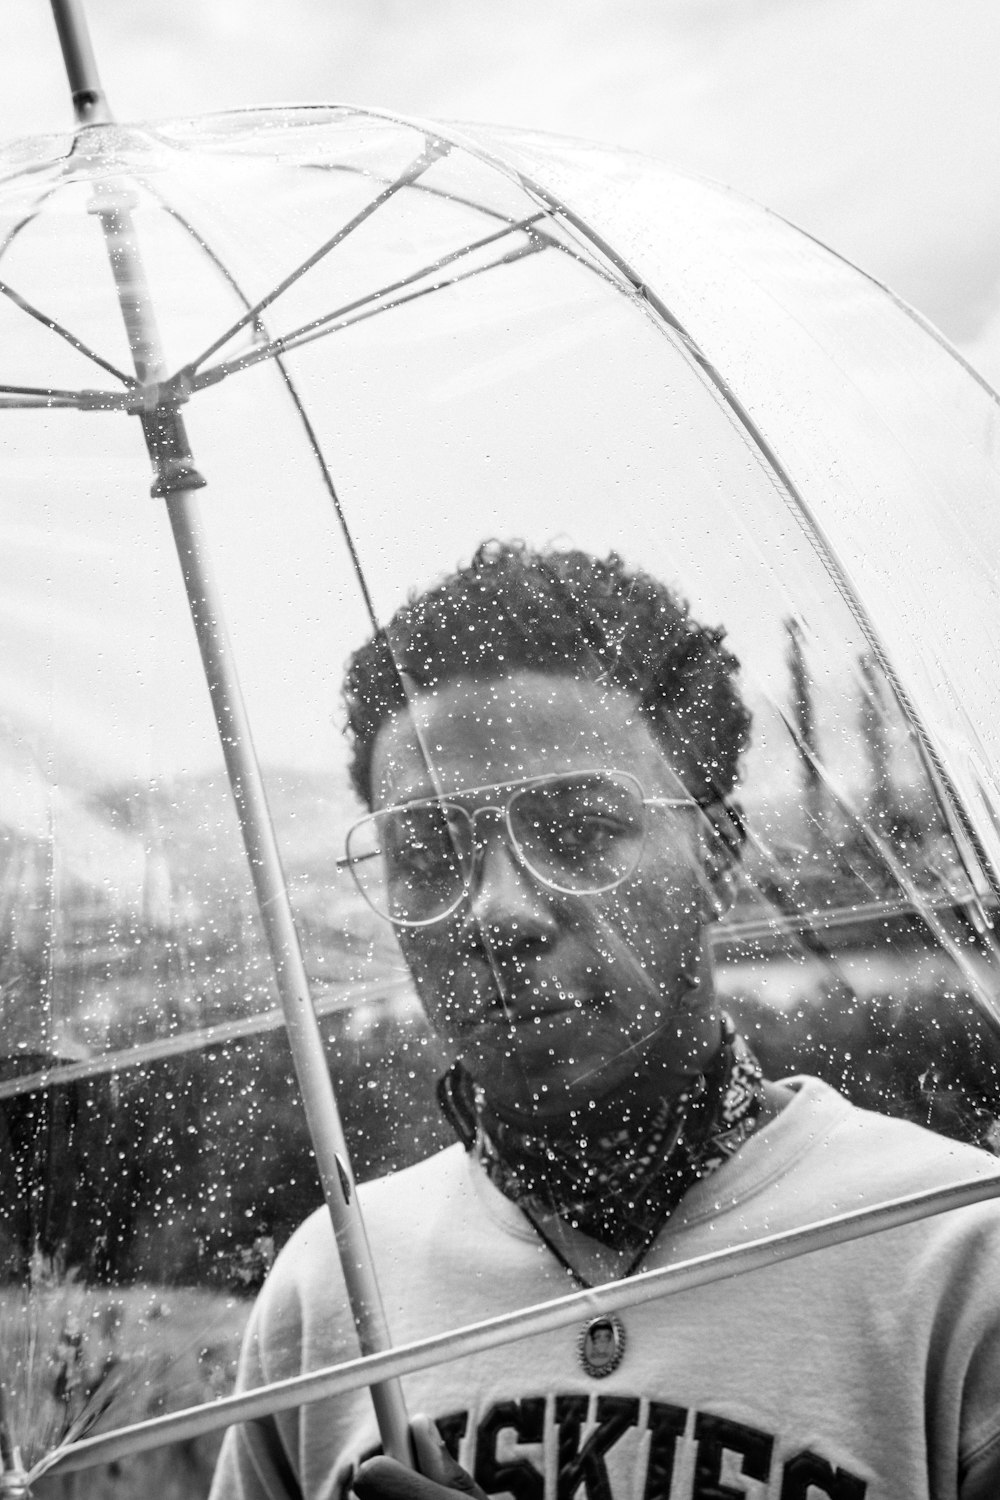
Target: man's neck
618	1180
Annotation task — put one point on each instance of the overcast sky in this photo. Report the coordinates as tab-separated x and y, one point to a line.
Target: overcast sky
875	124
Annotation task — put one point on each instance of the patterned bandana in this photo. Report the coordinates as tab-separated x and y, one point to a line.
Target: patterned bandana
619	1187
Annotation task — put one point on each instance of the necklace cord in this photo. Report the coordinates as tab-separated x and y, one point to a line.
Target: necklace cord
622	1187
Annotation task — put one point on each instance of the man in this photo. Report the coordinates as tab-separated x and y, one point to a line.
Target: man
548	744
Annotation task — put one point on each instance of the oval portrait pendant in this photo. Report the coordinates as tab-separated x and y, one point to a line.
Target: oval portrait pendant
602	1345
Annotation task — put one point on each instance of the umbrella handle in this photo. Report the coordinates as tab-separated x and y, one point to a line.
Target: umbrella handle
175	479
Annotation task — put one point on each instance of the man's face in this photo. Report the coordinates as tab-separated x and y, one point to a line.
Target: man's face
555	1002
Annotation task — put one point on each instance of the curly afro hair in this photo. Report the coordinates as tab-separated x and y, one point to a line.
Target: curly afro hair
568	614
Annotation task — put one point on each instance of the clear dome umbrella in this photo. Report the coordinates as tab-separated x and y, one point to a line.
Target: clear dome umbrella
355	349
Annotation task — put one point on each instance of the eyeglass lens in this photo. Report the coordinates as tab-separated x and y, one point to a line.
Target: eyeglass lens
580	834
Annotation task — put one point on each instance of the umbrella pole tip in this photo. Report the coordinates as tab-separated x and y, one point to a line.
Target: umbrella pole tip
14	1483
88	97
91	107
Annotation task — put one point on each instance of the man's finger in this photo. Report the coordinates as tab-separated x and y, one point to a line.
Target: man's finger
385	1479
434	1460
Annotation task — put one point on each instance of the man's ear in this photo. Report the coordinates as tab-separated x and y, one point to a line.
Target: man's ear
723	835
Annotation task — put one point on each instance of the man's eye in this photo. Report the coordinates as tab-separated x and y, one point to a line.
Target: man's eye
587	834
422	853
422	857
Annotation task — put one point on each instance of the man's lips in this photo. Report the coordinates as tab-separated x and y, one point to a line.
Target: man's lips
527	1007
519	1014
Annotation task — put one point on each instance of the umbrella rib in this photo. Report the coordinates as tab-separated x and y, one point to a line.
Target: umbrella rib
221	1034
520	253
78	344
254	315
44	403
882	849
283	341
432	190
426	159
502	1329
589	264
336	321
801	924
29	218
36	170
327	478
435	190
360	310
84	400
949	798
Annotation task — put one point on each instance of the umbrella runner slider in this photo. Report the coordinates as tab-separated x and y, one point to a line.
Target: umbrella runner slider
175	480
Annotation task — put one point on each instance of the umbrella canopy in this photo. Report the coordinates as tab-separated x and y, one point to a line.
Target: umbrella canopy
383	343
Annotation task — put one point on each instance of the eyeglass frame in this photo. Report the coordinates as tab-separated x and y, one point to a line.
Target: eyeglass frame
524	783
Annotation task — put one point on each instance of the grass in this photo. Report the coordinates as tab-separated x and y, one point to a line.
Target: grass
75	1359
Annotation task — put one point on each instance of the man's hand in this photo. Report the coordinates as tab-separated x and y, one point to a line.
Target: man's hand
385	1479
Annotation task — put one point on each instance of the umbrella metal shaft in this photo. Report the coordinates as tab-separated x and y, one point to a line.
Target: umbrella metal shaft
176	479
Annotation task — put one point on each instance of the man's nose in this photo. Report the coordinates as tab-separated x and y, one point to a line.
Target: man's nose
511	909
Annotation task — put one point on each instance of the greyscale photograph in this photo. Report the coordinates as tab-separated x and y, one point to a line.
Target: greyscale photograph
499	750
